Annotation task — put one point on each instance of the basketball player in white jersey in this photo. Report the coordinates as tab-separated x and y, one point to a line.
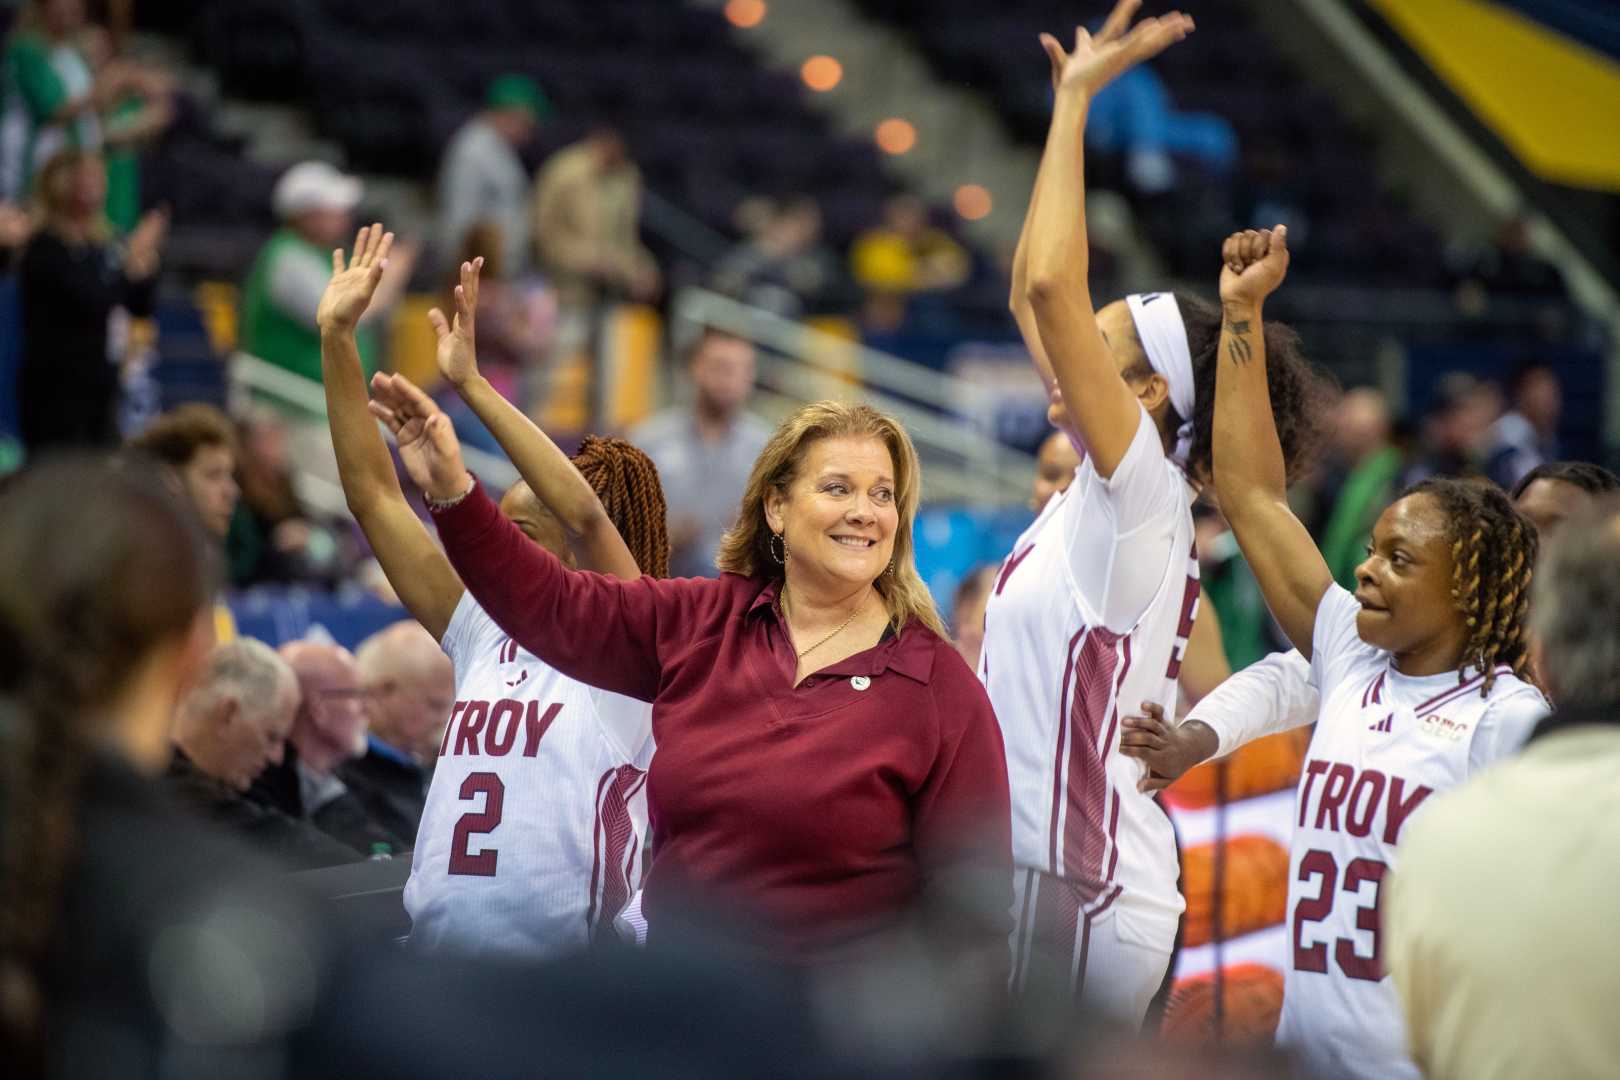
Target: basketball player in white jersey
1093	608
533	835
1422	675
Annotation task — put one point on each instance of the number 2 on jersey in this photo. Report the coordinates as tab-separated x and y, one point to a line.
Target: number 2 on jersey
1316	908
461	860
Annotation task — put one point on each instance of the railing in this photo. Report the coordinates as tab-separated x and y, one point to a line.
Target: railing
251	378
799	363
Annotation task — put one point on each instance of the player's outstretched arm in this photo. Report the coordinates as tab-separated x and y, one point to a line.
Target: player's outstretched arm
1101	405
1250	473
547	470
413	563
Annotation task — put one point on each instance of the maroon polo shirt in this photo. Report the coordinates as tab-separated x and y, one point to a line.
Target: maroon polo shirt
819	811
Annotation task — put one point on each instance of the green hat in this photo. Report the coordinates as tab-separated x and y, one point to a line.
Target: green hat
518	92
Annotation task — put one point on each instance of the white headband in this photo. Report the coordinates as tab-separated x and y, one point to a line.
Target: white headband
1164	339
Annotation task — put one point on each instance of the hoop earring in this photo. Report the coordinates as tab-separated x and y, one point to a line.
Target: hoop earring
778	548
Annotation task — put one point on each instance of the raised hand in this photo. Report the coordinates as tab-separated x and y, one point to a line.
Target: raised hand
1116	24
457	355
427	441
349	292
145	246
1167	750
1094	62
1253	263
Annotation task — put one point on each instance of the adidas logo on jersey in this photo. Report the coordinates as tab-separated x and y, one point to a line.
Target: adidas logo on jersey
1387	724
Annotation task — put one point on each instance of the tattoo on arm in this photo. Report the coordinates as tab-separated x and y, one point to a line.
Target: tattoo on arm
1237	348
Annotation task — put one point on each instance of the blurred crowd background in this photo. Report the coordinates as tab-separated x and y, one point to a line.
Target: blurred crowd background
696	215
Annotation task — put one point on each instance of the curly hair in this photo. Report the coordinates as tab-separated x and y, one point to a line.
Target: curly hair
1493	556
115	565
626	480
1301	394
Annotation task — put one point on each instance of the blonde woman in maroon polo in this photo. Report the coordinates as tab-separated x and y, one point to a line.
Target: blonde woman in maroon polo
825	758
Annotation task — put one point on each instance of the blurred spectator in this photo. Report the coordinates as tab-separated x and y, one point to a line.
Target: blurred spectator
1240	610
272	538
906	254
1551	493
230	727
72	277
967	612
482	177
140	108
1368	464
1506	264
782	267
1134	117
1510	975
49	97
1527	434
705	450
197	442
410	687
315	203
517	316
587	209
1055	463
329	730
1455	433
128	932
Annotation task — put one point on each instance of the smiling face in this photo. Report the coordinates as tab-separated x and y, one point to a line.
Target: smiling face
1404	586
838	514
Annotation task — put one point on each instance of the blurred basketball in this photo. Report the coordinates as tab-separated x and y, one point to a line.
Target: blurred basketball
1251	1002
1260	768
1256	888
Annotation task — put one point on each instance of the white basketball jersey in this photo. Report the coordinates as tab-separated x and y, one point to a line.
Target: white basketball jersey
1089	616
534	833
1384	743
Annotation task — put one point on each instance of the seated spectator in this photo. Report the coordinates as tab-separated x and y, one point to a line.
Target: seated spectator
1527	434
482	177
272	537
1368	463
410	687
587	212
197	444
705	449
330	729
783	266
315	203
72	276
229	728
1511	974
903	256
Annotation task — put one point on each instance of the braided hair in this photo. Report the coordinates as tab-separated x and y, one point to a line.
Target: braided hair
626	481
107	564
1493	554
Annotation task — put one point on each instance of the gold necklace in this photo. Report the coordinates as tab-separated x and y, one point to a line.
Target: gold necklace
800	654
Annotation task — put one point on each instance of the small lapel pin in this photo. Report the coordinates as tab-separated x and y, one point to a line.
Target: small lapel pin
859	682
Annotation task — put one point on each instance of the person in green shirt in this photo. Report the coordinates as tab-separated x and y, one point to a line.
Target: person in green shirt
49	97
1374	464
315	204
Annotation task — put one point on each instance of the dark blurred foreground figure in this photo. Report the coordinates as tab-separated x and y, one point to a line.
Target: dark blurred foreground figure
132	941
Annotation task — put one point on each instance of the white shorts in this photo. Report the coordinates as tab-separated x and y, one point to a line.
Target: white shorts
1058	944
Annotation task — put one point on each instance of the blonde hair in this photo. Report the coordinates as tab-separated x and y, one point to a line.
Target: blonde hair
746	548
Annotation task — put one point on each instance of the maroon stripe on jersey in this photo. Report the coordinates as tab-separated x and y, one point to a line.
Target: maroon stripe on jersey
1022	929
1085	951
1010	565
1457	691
1085	834
1057	759
1057	921
614	833
1108	745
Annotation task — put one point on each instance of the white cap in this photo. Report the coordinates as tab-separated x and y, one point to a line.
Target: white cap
314	185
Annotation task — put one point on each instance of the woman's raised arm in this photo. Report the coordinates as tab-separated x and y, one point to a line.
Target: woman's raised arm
1250	473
